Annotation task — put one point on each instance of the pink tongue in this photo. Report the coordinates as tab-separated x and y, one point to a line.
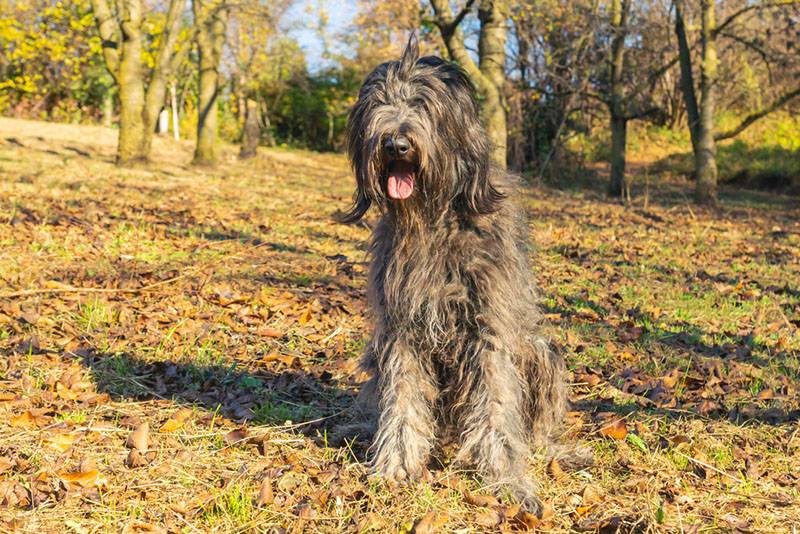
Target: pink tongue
400	184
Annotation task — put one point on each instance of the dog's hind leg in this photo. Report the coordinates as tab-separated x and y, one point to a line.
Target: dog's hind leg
492	404
406	392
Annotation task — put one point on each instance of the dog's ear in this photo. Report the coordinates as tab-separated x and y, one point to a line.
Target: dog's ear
477	195
360	206
410	54
361	198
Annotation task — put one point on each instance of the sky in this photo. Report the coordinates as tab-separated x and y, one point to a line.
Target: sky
302	20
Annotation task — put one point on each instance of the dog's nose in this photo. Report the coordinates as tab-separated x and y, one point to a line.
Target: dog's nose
397	146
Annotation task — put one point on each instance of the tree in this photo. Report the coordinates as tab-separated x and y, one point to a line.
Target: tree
251	133
251	31
616	102
51	65
701	115
210	20
705	154
630	84
489	75
121	29
556	61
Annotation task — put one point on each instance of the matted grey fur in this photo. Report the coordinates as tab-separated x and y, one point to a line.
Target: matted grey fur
457	351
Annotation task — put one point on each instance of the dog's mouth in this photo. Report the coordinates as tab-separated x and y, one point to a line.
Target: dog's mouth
400	182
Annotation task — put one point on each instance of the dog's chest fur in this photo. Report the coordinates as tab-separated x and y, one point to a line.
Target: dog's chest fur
432	285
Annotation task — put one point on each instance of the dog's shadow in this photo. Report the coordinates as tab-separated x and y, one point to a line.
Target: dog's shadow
310	403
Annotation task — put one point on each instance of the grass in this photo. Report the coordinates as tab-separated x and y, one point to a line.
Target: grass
681	321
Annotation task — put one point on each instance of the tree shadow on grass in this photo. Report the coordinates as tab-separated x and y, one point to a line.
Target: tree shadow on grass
713	381
311	403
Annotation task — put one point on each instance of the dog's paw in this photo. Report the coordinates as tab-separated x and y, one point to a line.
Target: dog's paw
393	476
523	491
394	470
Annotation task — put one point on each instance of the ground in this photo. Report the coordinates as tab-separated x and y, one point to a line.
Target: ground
179	351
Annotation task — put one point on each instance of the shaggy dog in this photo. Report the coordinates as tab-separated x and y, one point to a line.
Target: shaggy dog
456	353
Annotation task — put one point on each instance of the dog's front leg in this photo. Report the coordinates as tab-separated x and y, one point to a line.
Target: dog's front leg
406	431
493	440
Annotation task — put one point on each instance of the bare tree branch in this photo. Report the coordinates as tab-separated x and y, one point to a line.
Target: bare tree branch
750	7
454	41
753	117
108	28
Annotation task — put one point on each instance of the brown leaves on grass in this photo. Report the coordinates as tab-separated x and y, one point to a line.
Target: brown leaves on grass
492	514
476	499
234	437
429	523
615	430
85	479
139	439
265	495
30	419
60	442
139	444
177	420
618	283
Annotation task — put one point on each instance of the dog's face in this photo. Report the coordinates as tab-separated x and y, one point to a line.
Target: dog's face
415	140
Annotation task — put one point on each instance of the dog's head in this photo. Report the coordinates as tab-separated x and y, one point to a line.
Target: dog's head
416	142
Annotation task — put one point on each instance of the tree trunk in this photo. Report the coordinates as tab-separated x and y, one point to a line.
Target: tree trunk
705	154
251	134
266	126
619	130
210	40
130	150
687	78
173	103
489	77
108	108
121	36
165	60
163	122
241	100
619	121
492	54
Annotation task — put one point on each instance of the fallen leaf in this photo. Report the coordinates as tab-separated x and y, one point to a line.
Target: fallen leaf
476	499
140	437
5	464
526	520
29	419
269	332
177	420
60	442
136	459
88	479
236	436
265	495
590	496
305	511
616	430
554	468
581	511
487	517
430	522
287	359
